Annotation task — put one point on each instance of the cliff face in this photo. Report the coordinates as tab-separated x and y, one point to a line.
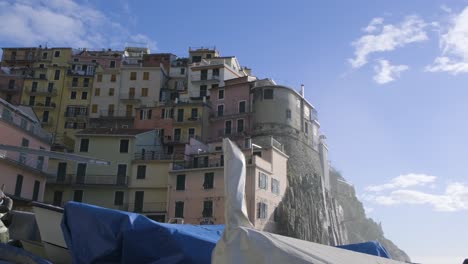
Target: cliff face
359	227
307	211
310	212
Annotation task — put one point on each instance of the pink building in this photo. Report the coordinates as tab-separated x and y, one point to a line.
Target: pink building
24	175
196	186
231	109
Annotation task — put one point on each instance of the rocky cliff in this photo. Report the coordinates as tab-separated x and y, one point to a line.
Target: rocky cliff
310	212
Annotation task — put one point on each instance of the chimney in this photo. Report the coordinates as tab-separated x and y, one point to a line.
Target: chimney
302	90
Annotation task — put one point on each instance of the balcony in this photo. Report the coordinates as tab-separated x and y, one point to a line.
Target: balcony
200	78
106	180
10	89
188	121
131	98
198	164
88	72
41	91
223	115
152	155
34	130
124	114
33	76
50	105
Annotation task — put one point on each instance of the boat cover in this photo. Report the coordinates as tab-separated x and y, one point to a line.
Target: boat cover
11	254
98	235
371	248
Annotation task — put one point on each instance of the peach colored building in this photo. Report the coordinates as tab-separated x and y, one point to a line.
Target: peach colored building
231	108
24	175
196	186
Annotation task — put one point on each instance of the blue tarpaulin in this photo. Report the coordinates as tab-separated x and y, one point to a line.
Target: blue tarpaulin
371	248
99	235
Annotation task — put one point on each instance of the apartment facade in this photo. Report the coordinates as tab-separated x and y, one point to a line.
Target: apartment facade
231	109
121	185
23	174
11	85
196	185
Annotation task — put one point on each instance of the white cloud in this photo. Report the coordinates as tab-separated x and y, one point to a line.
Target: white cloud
375	22
385	72
454	46
446	8
387	38
368	210
403	181
61	23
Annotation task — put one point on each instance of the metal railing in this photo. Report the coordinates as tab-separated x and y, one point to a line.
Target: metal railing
152	155
197	164
89	180
41	91
116	114
199	78
34	130
79	84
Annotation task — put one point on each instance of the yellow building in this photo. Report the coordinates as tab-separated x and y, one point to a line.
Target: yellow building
135	181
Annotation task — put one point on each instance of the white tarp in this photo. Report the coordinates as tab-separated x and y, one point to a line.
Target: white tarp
241	243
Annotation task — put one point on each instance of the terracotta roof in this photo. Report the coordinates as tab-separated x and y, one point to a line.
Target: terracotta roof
113	131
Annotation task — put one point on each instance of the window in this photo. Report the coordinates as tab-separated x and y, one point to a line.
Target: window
37	186
111	91
227	127
81	170
61	171
45	116
145	76
113	78
180	115
23	124
180	186
202	90
58	198
131	92
42	76
118	198
124	145
194	114
240	125
203	74
288	114
144	92
242	107
220	110
275	185
209	180
220	94
57	54
196	58
47	101
191	133
99	78
216	72
133	76
32	100
141	171
306	128
44	55
208	56
262	181
84	145
110	110
112	64
74	82
182	70
86	82
57	75
19	185
73	95
50	87
179	209
97	91
78	196
25	142
262	210
268	94
139	198
84	95
207	209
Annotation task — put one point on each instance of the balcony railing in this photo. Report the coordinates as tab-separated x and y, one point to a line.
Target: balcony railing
130	99
78	85
89	180
34	130
48	122
10	89
153	155
221	115
45	105
196	164
200	78
41	91
116	114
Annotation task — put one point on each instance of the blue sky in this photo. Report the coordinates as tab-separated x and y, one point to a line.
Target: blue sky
389	79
